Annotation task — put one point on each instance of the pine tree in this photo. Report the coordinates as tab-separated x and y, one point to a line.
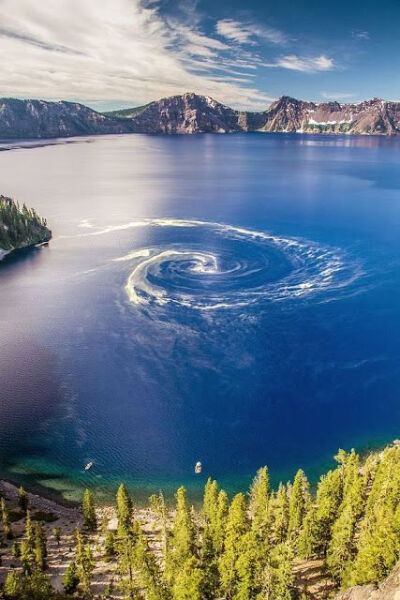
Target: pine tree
124	508
29	533
306	542
218	530
15	550
70	579
5	517
188	583
126	561
84	564
57	535
89	511
23	501
341	546
259	503
109	544
157	504
209	564
147	570
248	568
298	503
26	557
278	576
40	550
279	514
38	587
236	527
328	500
210	501
28	546
183	531
13	586
378	548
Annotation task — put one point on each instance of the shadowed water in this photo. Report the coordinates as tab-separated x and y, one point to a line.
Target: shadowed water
229	299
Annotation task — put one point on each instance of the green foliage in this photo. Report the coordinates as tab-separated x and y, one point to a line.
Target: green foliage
182	544
279	514
109	544
89	512
243	550
20	226
57	535
84	564
157	504
306	542
28	587
188	583
259	502
298	503
40	550
23	501
12	585
70	578
5	518
278	575
124	508
328	500
237	526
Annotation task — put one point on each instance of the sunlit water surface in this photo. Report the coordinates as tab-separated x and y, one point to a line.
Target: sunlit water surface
229	299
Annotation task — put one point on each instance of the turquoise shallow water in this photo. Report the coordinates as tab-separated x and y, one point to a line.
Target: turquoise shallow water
229	299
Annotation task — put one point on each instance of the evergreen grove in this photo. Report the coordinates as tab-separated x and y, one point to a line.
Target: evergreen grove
20	226
242	548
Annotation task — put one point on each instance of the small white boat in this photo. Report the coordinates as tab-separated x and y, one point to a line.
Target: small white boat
198	468
88	466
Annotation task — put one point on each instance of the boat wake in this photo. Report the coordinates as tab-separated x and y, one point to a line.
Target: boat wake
209	266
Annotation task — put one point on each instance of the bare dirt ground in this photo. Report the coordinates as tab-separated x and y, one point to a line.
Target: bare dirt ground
68	519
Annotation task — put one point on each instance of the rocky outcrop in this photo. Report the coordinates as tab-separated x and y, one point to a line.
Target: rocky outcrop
188	113
389	589
40	119
370	117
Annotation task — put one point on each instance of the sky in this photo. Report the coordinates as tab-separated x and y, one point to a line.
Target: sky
245	53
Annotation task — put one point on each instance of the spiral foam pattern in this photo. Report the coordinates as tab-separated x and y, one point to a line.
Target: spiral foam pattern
210	266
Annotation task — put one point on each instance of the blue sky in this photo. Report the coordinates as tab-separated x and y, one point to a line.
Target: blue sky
113	53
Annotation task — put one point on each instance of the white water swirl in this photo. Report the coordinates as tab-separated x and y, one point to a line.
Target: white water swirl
222	266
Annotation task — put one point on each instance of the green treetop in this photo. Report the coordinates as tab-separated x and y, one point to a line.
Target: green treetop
236	526
89	511
124	508
298	502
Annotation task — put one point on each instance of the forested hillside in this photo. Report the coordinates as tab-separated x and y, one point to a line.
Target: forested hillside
252	546
20	226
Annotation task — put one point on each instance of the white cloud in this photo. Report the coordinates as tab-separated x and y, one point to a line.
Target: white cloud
361	34
248	33
304	64
337	95
116	50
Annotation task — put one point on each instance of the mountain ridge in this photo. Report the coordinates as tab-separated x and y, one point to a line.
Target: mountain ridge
191	113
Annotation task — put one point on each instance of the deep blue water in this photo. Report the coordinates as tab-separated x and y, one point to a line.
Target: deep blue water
229	299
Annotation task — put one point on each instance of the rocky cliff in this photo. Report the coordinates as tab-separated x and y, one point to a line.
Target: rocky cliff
389	589
370	117
190	113
40	119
